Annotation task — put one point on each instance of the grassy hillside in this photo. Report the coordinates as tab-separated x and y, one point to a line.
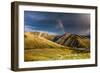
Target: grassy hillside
53	54
34	41
38	48
72	40
44	34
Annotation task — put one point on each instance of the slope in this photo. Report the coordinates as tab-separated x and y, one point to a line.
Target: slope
38	48
34	41
73	40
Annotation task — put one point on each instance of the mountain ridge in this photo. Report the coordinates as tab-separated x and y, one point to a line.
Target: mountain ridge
73	40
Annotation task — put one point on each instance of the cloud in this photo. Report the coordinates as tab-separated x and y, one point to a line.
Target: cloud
28	28
85	32
76	23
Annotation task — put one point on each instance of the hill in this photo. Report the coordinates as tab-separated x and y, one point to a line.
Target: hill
34	41
74	41
39	48
44	34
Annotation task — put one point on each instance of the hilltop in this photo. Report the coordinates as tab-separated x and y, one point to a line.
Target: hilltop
73	40
34	41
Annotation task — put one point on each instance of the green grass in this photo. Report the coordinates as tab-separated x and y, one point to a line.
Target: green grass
40	49
34	41
53	54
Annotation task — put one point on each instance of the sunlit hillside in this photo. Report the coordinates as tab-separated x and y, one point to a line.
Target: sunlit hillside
44	34
38	48
34	41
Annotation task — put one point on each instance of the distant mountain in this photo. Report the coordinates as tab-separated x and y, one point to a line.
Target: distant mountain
73	40
33	41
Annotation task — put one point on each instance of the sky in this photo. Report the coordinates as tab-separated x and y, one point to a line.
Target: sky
57	23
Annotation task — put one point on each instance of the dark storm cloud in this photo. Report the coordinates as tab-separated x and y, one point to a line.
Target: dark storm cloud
58	23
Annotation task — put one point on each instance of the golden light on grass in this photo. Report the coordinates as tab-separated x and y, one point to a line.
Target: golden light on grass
38	48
